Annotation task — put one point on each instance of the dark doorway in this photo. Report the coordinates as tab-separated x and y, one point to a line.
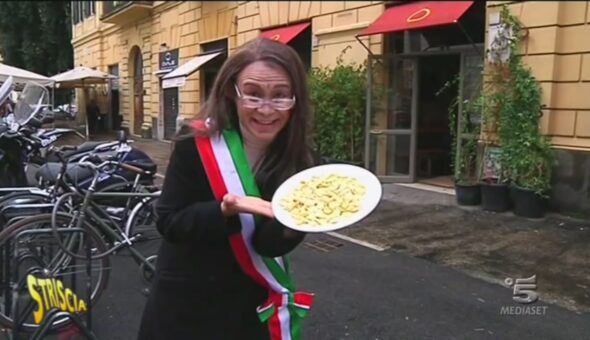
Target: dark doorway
302	44
170	112
137	91
434	143
210	69
115	117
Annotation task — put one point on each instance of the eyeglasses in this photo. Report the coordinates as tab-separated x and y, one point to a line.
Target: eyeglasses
252	102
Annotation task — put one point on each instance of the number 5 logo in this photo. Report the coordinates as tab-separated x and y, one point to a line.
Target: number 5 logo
524	290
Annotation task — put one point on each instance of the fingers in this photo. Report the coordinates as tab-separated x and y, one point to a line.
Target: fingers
230	199
228	205
232	204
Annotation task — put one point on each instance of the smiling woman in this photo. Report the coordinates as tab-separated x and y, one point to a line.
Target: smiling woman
221	258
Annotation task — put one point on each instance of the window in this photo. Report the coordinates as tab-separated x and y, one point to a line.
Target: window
82	10
86	8
75	14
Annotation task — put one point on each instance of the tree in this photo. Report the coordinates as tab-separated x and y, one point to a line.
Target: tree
36	35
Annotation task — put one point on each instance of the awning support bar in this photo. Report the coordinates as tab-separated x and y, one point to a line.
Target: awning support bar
365	46
469	38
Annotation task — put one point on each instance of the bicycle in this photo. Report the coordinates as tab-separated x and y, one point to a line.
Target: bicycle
107	235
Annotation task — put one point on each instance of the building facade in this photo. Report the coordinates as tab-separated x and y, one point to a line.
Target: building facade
166	54
133	40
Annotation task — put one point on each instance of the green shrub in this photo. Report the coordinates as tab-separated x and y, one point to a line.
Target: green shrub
338	96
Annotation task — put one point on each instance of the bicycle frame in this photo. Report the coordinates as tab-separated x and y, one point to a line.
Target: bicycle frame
122	237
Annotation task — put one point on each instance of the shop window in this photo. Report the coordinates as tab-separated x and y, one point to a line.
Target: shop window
209	70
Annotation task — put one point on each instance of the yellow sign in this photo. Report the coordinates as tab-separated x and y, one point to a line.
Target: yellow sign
50	293
419	15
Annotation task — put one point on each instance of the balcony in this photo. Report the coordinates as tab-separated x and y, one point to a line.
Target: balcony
122	12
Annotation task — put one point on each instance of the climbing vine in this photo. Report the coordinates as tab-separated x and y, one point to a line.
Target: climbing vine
526	155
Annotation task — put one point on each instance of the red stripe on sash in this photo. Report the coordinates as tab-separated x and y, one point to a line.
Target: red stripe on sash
274	322
219	190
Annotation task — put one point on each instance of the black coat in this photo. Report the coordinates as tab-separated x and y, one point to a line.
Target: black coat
199	291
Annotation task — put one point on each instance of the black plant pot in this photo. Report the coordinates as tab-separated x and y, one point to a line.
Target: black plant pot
468	194
495	197
527	203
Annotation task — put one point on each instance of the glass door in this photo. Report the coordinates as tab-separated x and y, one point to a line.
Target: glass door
390	141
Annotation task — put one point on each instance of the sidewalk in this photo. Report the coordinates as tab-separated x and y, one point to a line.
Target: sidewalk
485	245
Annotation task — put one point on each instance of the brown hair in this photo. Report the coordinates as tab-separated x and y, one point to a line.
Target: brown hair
290	151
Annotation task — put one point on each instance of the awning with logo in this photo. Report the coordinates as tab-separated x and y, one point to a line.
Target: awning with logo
285	34
177	78
415	15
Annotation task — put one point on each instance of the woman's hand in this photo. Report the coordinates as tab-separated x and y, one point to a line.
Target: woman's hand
232	205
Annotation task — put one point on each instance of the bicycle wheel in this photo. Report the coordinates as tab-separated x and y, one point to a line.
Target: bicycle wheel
141	229
28	247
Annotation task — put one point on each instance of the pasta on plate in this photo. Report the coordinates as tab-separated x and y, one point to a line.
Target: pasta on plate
324	200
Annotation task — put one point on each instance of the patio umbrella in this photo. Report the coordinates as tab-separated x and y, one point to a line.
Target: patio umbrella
81	77
23	76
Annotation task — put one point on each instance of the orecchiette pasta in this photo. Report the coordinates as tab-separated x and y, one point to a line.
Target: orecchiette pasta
324	199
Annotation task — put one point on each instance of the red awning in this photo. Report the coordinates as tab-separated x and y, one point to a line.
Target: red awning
418	14
285	34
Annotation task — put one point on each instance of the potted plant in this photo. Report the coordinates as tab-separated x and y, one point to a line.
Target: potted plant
499	98
526	155
464	150
495	193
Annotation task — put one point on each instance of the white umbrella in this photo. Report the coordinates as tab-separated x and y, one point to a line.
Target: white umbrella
23	76
80	77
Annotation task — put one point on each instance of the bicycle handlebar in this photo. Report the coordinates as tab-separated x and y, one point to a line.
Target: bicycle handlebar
90	160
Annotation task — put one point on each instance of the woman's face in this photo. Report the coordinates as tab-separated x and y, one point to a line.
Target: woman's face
262	122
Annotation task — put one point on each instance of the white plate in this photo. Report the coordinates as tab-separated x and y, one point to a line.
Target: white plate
368	204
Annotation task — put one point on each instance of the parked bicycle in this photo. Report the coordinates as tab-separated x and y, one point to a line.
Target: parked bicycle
56	252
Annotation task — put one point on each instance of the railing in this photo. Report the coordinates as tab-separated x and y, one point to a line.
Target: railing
112	6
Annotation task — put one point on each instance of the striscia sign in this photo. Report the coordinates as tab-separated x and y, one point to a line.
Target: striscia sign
51	293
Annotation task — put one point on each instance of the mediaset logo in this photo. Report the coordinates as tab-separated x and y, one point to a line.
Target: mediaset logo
524	292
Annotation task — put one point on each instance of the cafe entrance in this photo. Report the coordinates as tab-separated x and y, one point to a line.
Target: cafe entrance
409	120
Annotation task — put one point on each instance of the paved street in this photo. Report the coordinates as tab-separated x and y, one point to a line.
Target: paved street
438	277
366	294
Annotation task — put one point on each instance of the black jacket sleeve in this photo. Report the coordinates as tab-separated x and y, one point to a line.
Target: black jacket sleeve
273	239
186	209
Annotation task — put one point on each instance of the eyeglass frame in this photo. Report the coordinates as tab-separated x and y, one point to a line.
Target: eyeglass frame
262	101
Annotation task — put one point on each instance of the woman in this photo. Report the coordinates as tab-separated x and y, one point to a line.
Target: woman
220	275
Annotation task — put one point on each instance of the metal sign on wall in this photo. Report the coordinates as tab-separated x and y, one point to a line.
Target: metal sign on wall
169	60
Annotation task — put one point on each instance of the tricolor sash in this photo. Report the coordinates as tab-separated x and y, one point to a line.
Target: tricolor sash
228	171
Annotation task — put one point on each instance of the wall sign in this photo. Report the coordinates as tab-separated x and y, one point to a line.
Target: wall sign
169	60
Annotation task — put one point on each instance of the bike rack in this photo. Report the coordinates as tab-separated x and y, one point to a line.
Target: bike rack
54	314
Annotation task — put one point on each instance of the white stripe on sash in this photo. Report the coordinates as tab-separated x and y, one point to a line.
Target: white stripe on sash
285	318
234	185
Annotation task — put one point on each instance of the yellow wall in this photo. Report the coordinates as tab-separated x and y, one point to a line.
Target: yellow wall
188	24
334	24
557	49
